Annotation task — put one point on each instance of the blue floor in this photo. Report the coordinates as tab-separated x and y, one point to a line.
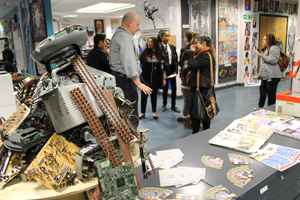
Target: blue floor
234	103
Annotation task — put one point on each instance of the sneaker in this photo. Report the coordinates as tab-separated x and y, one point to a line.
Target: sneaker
257	108
180	119
163	108
175	109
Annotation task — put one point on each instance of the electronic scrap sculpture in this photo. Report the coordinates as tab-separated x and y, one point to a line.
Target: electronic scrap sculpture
70	120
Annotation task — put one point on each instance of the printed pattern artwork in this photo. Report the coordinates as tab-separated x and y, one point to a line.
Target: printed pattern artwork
199	19
228	40
238	159
219	192
212	162
240	176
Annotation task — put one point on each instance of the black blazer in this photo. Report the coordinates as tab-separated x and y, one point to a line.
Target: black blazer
201	62
98	59
173	68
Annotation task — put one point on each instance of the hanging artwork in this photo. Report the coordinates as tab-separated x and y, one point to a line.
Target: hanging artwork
153	13
271	6
200	11
37	19
99	26
115	23
248	5
291	40
254	56
228	37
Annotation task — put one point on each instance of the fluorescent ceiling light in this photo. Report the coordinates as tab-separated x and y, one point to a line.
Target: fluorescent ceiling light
105	7
70	16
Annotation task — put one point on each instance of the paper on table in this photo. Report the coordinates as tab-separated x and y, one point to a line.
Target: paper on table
168	177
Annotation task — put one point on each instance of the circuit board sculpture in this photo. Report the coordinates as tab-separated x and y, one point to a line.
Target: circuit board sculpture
116	183
55	163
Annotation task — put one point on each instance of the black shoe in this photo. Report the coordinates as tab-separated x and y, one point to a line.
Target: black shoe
155	116
180	119
163	108
175	109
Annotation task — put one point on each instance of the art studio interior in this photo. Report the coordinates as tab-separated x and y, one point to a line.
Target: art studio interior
222	120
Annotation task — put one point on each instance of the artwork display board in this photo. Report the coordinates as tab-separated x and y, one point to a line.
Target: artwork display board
228	40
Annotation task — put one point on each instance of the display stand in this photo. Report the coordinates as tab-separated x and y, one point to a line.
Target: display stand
266	182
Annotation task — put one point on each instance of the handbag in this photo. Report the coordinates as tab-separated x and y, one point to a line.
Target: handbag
283	61
198	111
205	108
210	100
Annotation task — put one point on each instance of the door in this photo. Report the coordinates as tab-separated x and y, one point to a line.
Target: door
276	25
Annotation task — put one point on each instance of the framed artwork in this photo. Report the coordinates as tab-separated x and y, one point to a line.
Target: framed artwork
37	19
99	26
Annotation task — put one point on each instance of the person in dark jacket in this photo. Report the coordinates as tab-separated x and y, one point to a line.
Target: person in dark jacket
189	38
199	59
171	60
98	57
152	74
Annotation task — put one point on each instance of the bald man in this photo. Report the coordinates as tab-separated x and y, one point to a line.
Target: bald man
125	64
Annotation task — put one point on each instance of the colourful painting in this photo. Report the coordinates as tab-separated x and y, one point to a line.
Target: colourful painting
37	18
115	23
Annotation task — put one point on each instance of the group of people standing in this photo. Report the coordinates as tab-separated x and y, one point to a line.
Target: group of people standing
160	67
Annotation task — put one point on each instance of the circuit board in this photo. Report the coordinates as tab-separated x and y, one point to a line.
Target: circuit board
55	163
116	183
14	121
12	167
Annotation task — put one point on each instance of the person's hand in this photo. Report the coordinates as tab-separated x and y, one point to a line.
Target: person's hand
193	47
164	82
147	90
260	54
105	49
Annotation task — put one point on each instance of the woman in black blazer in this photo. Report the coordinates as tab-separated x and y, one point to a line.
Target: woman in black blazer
199	59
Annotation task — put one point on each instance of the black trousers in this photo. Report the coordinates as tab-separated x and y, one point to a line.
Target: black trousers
173	94
268	88
153	100
130	91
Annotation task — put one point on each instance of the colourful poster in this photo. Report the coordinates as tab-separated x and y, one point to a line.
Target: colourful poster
114	25
248	5
271	6
223	11
223	23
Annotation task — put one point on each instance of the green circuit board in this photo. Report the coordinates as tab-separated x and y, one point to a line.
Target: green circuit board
116	183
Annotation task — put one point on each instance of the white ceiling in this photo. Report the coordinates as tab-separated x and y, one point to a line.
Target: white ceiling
60	8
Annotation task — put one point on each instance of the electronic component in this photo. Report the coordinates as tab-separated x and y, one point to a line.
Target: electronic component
55	163
116	183
14	121
23	139
62	109
10	166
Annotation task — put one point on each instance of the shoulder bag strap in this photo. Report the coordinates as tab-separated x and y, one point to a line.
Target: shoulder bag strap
198	80
211	71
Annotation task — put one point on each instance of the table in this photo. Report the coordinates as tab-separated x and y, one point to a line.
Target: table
267	183
18	190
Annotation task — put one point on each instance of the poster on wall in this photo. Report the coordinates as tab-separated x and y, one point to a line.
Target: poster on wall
291	35
37	19
228	40
154	14
254	55
248	5
200	12
99	26
115	23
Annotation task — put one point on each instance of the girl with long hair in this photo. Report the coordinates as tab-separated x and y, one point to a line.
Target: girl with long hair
152	73
269	71
199	59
